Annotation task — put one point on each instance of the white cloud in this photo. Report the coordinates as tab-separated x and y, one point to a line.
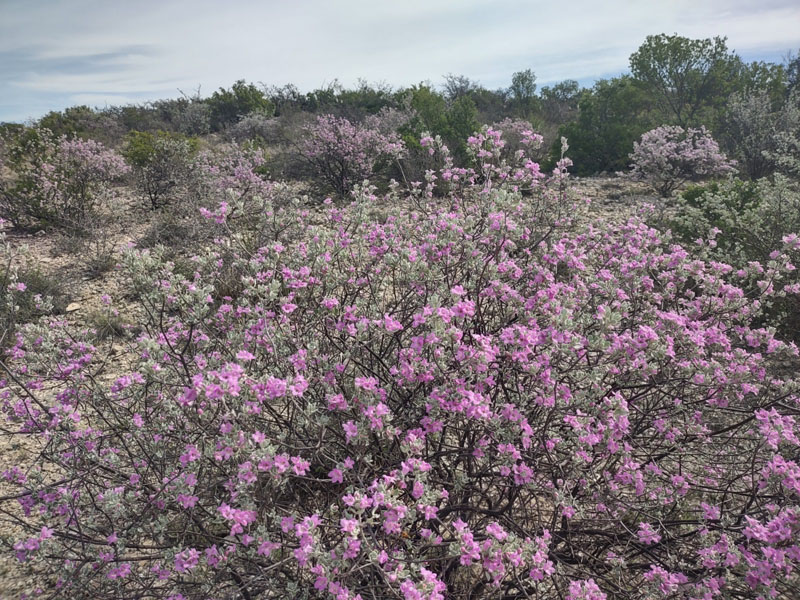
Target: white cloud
102	48
104	99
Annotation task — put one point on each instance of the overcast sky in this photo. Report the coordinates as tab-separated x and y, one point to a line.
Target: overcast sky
103	52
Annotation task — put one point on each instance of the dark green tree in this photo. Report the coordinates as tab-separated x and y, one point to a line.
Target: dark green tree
792	70
70	122
522	93
688	78
490	104
366	99
462	122
228	106
457	86
430	111
613	114
559	103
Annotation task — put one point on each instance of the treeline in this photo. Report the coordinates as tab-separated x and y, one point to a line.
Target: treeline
672	81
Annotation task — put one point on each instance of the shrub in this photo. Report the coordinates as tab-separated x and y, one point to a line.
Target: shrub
611	117
741	223
228	182
757	133
231	172
56	181
93	248
257	129
26	292
419	397
188	115
228	106
786	153
343	154
84	122
194	119
161	163
668	156
170	228
107	322
494	161
516	134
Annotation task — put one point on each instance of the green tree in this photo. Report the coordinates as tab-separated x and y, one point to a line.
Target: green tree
454	123
559	103
364	100
462	122
612	115
430	109
457	86
160	161
228	106
760	76
686	77
71	122
490	104
792	70
522	93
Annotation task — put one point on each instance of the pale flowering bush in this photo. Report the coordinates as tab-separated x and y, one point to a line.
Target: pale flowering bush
517	134
255	128
494	161
388	121
217	180
758	133
343	154
668	156
56	181
787	152
738	223
231	172
13	289
418	395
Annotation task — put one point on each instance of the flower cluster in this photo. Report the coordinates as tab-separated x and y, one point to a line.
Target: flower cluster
344	154
57	181
420	395
668	156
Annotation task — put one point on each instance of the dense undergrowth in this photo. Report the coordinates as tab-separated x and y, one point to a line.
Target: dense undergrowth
445	389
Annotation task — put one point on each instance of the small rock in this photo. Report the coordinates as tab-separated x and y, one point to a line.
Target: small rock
72	307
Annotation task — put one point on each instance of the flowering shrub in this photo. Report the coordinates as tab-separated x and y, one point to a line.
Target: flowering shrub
418	396
231	172
228	176
668	156
56	181
343	154
738	223
517	135
23	290
492	159
786	154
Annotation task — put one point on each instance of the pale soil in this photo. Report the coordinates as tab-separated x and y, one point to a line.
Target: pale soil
612	199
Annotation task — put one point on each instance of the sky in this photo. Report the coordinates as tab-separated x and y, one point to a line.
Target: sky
55	54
